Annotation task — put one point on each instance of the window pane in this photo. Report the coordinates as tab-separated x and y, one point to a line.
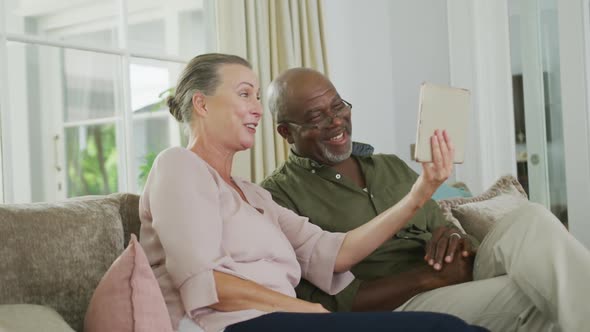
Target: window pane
174	28
92	23
91	160
148	36
49	85
154	129
92	87
150	137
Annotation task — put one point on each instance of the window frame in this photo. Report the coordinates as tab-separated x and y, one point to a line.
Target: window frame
123	116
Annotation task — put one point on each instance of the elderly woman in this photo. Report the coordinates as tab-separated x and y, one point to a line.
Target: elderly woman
225	255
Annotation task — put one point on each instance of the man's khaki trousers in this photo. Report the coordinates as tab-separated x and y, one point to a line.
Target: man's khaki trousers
530	274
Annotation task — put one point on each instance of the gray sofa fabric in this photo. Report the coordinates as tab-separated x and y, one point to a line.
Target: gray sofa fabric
129	211
54	254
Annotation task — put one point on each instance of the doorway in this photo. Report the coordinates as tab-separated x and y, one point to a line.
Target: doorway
538	118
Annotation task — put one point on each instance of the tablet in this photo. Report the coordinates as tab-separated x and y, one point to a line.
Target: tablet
442	107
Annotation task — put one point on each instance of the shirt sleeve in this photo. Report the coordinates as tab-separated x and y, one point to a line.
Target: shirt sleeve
316	250
183	199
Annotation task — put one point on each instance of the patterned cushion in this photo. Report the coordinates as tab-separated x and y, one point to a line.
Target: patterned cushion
478	214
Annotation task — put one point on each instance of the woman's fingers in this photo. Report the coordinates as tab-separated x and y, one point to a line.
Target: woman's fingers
437	171
444	150
437	157
443	153
450	149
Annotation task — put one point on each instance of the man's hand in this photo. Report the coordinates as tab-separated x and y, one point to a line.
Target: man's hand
444	245
456	272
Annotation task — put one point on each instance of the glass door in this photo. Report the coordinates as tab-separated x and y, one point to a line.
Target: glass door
534	44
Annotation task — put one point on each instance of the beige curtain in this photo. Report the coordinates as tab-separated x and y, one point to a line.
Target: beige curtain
274	35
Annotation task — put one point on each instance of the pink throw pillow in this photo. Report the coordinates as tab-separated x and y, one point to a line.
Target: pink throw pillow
128	297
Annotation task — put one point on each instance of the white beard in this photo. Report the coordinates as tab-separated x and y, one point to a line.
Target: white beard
336	158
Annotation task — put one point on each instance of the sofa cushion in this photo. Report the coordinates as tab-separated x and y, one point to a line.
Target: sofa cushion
128	298
31	317
54	254
478	214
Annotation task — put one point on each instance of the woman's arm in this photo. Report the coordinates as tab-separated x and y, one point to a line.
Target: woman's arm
363	240
239	294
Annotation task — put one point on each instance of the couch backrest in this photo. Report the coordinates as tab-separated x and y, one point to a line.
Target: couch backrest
55	254
129	211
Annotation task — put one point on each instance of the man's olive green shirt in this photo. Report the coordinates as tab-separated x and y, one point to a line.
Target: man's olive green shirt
337	204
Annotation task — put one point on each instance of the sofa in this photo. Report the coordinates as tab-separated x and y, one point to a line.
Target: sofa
53	255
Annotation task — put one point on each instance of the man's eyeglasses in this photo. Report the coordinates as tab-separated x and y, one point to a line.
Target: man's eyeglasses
323	119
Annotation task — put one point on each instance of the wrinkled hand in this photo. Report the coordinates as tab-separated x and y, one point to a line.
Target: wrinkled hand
438	171
445	244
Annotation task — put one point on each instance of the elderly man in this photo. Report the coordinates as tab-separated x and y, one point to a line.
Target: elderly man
528	273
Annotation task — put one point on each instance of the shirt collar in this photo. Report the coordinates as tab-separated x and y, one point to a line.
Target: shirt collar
358	149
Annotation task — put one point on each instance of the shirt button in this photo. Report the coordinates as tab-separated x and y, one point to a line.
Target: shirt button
313	171
338	176
314	164
372	196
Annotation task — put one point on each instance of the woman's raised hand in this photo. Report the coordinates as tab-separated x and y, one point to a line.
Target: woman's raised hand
436	172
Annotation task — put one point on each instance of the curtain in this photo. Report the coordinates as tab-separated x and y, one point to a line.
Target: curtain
274	36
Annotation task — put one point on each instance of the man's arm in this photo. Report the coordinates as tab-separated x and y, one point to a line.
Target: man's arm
387	293
390	292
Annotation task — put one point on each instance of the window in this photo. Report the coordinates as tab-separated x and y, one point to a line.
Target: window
83	85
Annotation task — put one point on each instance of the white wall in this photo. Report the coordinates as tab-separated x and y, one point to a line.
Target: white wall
379	52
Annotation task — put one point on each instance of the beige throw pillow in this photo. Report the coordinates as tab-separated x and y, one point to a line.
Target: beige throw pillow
478	214
31	317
